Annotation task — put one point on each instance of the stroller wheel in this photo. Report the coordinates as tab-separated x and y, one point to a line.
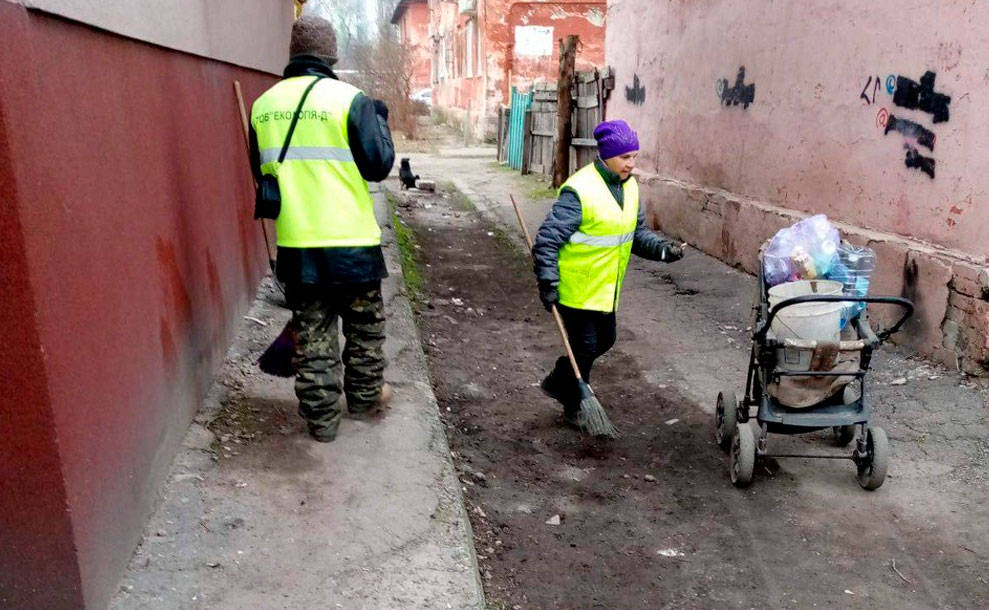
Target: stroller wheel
872	468
726	416
843	434
742	456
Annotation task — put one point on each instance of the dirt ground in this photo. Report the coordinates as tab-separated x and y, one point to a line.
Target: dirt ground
651	520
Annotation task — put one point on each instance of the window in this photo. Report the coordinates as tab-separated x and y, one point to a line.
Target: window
435	67
443	59
470	49
448	57
458	55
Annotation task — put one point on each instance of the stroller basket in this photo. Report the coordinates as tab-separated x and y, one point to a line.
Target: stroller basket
795	382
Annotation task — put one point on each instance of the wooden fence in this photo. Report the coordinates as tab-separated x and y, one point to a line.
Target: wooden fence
528	143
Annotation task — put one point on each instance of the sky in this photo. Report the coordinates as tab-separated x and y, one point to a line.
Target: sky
326	8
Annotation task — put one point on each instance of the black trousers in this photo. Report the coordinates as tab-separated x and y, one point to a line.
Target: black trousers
592	334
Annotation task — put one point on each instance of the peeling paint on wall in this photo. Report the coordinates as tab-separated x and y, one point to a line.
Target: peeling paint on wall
507	59
595	17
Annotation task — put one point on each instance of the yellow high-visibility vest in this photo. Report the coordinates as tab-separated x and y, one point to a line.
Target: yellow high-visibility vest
593	262
325	200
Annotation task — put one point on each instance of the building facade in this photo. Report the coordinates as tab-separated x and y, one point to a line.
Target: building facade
411	17
753	115
129	255
482	48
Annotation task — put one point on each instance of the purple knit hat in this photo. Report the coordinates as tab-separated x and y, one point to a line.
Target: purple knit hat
615	138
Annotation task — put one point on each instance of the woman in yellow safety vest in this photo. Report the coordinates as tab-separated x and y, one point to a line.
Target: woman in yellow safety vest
582	250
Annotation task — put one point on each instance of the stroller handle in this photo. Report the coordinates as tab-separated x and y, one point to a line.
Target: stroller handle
906	304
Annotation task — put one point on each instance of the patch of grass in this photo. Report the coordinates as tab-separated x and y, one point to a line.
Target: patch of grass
408	246
519	256
462	202
440	117
542	190
537	185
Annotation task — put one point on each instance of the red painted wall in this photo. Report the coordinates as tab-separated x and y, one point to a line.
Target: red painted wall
501	62
414	27
129	255
585	19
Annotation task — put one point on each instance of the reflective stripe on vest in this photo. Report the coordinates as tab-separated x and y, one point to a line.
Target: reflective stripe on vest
594	260
602	241
308	153
325	200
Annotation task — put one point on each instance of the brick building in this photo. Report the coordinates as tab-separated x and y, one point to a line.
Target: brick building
481	48
412	19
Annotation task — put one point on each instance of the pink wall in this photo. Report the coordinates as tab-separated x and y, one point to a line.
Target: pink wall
134	254
809	142
725	176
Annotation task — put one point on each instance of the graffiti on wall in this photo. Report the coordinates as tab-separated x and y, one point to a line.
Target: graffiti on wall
636	94
922	96
738	94
924	136
911	96
865	90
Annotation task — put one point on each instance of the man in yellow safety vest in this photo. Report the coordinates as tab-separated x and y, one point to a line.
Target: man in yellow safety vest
582	250
329	243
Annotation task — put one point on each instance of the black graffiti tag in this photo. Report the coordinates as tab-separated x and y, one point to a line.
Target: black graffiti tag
922	96
913	96
636	93
924	136
916	160
739	94
865	91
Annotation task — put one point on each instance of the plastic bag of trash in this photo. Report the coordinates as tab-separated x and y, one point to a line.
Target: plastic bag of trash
854	270
806	251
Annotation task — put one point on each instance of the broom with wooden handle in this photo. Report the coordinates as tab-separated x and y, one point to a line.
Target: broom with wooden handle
247	137
592	417
277	359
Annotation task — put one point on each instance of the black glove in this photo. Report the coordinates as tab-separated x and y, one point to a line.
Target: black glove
672	254
381	108
549	294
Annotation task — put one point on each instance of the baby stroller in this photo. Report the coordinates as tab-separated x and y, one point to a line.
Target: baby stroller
799	386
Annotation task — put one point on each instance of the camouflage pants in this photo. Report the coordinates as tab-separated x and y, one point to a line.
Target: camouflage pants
318	363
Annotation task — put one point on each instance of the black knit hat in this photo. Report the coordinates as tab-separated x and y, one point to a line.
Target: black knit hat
314	36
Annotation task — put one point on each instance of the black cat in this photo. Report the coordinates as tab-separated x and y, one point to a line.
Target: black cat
406	176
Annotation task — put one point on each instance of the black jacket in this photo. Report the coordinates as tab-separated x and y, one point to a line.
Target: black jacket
371	145
564	220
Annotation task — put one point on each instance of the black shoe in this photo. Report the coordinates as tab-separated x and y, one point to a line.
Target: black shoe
573	419
551	388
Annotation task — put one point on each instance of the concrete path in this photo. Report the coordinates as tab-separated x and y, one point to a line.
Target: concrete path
256	515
